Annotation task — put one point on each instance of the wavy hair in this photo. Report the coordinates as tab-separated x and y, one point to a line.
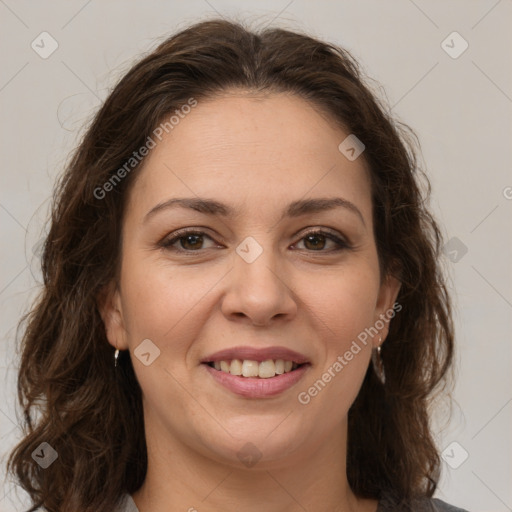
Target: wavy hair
69	393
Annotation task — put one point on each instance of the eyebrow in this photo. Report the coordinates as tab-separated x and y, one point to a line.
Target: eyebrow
295	209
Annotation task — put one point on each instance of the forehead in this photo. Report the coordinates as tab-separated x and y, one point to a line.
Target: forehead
243	149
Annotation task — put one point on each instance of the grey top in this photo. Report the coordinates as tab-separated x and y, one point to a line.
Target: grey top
127	505
424	505
427	505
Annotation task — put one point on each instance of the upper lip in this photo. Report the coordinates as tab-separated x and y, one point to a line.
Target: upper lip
256	354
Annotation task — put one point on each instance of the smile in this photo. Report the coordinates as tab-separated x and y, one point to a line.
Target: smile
249	368
256	372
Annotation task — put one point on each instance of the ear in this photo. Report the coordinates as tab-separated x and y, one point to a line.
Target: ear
385	308
109	306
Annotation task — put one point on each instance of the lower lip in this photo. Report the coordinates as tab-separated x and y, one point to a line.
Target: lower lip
255	387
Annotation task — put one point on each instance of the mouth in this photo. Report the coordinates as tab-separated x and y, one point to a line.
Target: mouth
256	373
249	368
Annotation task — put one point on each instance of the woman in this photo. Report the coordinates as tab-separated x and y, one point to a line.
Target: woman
242	305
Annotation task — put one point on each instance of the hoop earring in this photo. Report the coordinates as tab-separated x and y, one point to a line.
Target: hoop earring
116	355
378	365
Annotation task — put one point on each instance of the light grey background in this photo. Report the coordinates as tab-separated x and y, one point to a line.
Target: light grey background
460	108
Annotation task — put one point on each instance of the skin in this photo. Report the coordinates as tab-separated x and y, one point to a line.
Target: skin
256	154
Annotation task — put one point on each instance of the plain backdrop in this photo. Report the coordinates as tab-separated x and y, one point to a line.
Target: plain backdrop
458	99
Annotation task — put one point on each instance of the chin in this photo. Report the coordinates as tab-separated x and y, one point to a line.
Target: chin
264	441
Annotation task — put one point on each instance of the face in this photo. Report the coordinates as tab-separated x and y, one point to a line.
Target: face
263	271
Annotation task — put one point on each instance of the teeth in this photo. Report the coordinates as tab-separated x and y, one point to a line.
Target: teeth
249	368
236	367
267	369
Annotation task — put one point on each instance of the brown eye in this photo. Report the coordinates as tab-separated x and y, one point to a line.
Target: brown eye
189	241
316	241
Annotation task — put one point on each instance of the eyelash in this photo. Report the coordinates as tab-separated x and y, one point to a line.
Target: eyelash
178	235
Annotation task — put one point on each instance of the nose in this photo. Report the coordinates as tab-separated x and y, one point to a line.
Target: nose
259	292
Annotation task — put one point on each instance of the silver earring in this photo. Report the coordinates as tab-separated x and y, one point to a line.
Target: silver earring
116	355
378	366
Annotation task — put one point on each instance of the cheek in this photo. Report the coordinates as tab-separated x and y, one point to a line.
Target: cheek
345	304
165	303
344	309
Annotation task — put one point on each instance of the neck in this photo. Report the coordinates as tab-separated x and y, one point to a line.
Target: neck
180	478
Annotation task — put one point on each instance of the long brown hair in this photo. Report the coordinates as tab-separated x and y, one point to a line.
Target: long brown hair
91	415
